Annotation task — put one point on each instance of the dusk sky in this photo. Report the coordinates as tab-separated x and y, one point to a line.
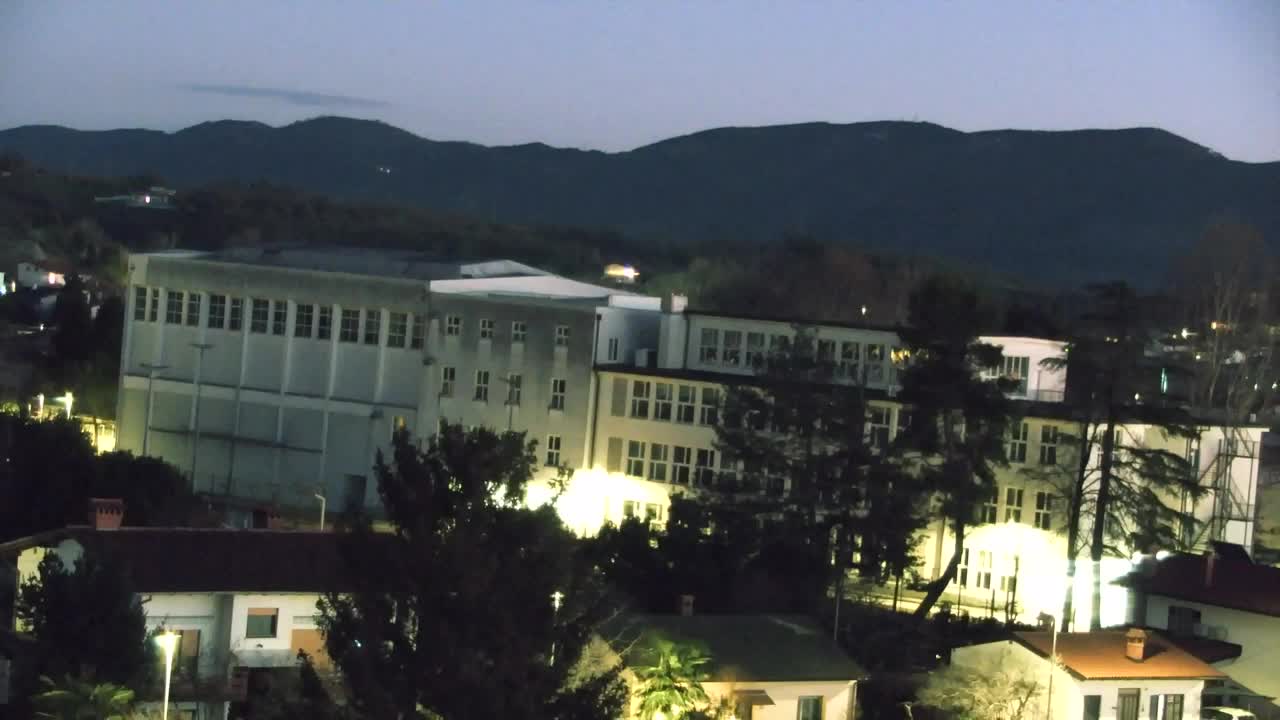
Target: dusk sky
616	75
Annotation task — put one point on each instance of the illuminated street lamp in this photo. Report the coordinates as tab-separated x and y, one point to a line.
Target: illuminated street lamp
168	641
67	400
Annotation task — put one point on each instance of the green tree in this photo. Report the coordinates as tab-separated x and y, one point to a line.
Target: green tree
47	477
473	606
994	691
673	686
87	623
959	420
75	699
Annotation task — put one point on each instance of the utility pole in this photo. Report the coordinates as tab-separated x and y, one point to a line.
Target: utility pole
195	416
151	369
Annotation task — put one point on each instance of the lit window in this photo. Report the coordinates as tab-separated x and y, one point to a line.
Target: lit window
303	317
349	330
453	325
710	411
448	375
652	512
398	425
657	462
279	317
140	303
217	312
613	349
681	460
562	336
419	335
1018	443
732	347
558	386
984	569
513	389
261	623
686	396
259	310
324	323
397	328
193	308
1044	510
635	458
809	707
486	329
709	348
705	467
662	401
235	319
372	326
1049	445
482	386
518	331
553	450
154	309
173	308
989	506
1013	505
640	390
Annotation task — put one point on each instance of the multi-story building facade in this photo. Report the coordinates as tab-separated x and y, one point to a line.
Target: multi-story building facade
278	375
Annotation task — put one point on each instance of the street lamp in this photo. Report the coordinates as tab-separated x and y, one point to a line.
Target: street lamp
1053	655
67	400
151	369
168	641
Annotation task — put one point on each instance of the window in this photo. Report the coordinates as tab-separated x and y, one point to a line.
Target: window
303	319
1049	445
652	512
486	329
419	335
658	462
558	386
482	386
710	411
513	389
193	308
878	427
448	375
613	349
635	458
217	312
827	352
398	424
1016	369
1018	442
324	323
453	325
1009	583
1092	707
704	472
709	351
1172	707
962	569
1013	505
629	509
372	323
279	316
989	507
235	320
1044	510
1127	704
686	397
779	344
904	421
662	401
349	330
1183	620
640	390
261	623
553	450
875	363
681	460
173	308
397	328
518	331
562	336
139	303
732	347
809	708
984	570
259	309
755	349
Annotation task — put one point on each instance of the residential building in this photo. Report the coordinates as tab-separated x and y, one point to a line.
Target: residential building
1102	675
279	374
1219	598
769	667
32	275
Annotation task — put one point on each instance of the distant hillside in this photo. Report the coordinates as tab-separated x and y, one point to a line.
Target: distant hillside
1052	207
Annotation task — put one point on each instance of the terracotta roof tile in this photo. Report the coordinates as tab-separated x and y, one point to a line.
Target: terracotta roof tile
1232	583
1100	655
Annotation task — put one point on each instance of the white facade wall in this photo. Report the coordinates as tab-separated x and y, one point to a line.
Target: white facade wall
837	697
1043	383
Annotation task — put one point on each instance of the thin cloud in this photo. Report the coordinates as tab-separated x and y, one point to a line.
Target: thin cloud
296	97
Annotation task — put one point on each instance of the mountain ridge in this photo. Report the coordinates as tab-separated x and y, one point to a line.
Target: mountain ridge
1065	206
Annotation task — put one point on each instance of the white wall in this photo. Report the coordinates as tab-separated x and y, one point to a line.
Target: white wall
1042	383
296	611
1258	635
836	697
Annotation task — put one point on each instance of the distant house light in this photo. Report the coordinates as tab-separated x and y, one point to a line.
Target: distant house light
146	199
623	273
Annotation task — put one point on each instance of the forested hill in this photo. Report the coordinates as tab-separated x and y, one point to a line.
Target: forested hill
1052	207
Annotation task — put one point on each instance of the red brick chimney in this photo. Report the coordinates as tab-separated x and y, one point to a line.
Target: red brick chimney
106	513
1135	645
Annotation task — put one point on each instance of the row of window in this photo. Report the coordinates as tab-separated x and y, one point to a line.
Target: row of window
453	325
734	348
671	403
659	462
1016	451
1042	516
272	317
514	383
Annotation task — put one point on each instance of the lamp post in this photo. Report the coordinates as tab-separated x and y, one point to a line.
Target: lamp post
168	642
323	501
67	400
557	599
195	415
1053	655
151	369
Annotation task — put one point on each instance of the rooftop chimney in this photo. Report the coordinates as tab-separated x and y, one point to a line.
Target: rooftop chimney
675	303
1135	645
106	513
686	605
